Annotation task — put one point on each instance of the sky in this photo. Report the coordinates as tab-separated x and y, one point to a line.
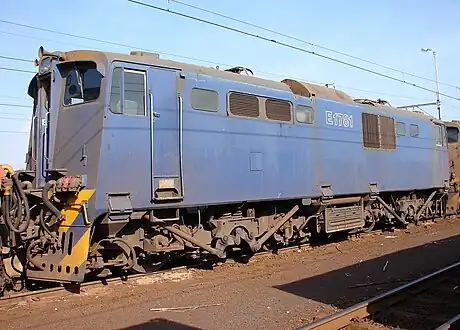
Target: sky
387	32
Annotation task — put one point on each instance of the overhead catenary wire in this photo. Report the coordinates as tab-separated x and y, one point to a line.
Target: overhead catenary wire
15	59
20	59
14	105
13	97
161	53
380	93
43	39
229	28
17	115
14	118
100	40
164	53
310	43
275	75
16	70
19	132
272	74
170	54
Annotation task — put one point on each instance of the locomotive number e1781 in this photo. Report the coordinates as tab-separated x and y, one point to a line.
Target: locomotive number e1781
339	119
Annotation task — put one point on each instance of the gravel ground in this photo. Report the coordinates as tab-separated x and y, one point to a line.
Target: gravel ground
281	291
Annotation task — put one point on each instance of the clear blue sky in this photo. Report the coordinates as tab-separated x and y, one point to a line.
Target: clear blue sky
390	32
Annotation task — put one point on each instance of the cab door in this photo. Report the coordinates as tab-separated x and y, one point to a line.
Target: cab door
125	162
141	147
166	134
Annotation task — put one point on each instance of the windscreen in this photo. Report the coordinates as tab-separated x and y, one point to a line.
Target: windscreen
82	83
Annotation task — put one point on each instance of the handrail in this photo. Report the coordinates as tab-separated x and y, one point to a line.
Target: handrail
181	140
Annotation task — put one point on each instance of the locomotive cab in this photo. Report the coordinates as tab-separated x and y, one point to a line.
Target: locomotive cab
65	129
60	83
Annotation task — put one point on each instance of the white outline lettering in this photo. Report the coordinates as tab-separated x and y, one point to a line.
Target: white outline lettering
339	119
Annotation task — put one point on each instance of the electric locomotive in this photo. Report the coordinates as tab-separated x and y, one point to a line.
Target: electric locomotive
134	159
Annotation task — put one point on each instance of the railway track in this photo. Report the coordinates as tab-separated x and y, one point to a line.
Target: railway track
430	302
12	298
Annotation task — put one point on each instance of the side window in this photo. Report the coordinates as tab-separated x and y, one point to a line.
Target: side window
371	130
414	130
129	86
278	110
388	135
243	105
438	135
304	114
134	93
400	128
452	134
204	99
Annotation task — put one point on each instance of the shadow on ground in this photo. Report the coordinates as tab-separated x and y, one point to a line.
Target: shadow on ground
160	324
346	286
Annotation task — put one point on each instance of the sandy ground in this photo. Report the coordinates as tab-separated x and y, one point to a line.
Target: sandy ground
281	291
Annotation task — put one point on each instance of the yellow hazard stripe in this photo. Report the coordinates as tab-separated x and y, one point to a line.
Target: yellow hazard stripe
73	208
79	252
7	169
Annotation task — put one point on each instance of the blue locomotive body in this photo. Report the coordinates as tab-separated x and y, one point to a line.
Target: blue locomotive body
133	159
219	159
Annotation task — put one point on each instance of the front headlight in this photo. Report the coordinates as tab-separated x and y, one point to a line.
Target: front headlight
45	65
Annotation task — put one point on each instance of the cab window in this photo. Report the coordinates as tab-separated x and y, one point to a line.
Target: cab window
82	83
452	134
128	92
438	135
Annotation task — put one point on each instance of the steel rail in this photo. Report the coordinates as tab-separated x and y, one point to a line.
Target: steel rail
40	292
87	284
361	310
448	324
103	282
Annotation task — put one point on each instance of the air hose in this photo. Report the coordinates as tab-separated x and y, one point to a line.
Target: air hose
48	186
29	254
46	228
14	204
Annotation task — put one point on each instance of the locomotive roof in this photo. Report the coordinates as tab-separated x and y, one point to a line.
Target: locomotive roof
101	57
289	85
452	123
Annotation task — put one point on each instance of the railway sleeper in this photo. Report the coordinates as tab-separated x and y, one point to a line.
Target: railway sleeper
412	318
